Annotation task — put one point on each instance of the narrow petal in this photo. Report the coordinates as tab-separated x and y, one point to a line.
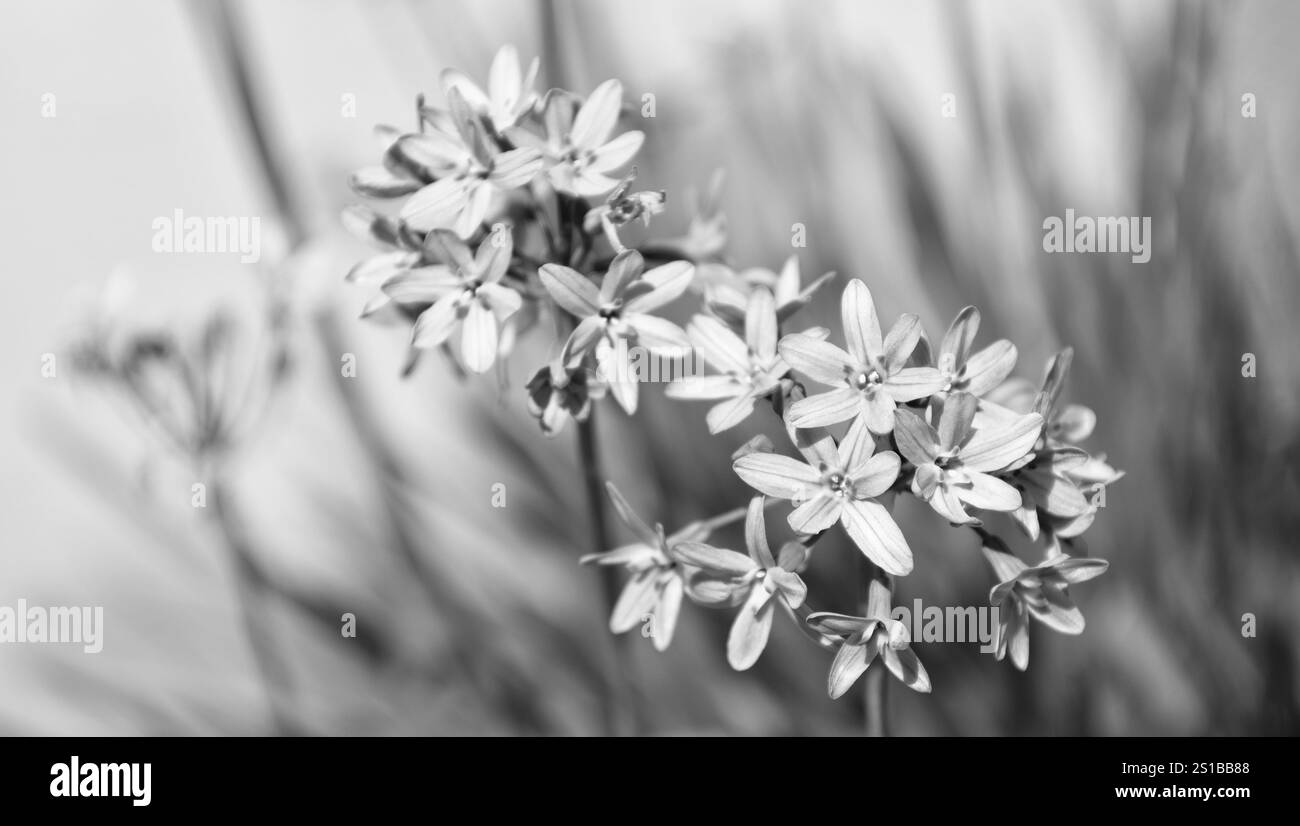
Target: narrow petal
664	620
820	361
1058	612
668	281
777	475
1054	494
479	338
720	347
876	534
831	407
493	257
730	413
437	205
713	560
990	367
614	366
421	284
875	475
1080	569
435	324
904	665
596	119
1074	423
789	585
502	301
995	448
658	335
635	604
955	419
1006	567
756	534
916	438
636	553
913	383
379	182
760	324
861	326
623	270
630	517
849	664
841	625
880	412
504	77
878	600
616	153
584	337
900	343
571	290
516	167
989	493
1057	371
750	630
946	503
704	388
857	445
960	337
926	479
816	515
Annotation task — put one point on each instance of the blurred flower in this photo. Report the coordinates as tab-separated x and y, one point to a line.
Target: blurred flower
656	587
621	209
469	169
577	144
706	233
865	638
727	293
953	465
842	487
751	368
463	291
557	393
509	95
870	377
1041	592
979	373
757	580
617	316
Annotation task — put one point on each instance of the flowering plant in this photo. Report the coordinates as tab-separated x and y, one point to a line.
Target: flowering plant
510	214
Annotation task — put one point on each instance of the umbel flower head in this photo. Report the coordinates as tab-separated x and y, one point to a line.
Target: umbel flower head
862	639
756	580
1041	592
870	378
617	316
842	487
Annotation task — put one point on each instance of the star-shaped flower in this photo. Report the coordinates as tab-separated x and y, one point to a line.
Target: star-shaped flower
621	208
559	392
757	580
578	144
751	368
954	464
843	486
469	169
616	317
656	587
464	291
870	378
974	373
1041	592
865	638
509	95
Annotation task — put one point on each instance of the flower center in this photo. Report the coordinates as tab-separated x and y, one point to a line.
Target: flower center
866	380
839	484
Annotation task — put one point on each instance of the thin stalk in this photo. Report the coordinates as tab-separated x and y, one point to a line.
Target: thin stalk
874	682
250	590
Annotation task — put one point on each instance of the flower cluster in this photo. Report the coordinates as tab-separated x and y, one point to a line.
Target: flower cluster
513	208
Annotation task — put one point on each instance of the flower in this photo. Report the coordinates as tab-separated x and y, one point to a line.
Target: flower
870	378
463	291
757	580
509	95
618	315
469	169
863	638
621	209
557	393
842	487
979	373
953	465
1041	592
751	368
726	292
706	231
578	144
656	587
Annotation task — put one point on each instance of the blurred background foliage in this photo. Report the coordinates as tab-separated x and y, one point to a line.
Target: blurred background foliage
374	495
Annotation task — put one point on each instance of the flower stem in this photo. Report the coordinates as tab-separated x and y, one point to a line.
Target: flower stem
874	682
620	702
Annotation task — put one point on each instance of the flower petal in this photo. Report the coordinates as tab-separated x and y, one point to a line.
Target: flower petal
900	343
996	447
913	383
831	407
616	153
479	338
664	620
821	361
596	119
502	301
435	325
990	367
777	475
435	206
728	414
876	534
1058	612
861	326
516	167
720	347
630	517
623	270
635	604
875	475
750	630
904	665
571	290
831	624
849	664
668	282
916	438
1006	567
704	388
989	493
760	324
856	446
960	337
1074	423
815	515
613	365
713	560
